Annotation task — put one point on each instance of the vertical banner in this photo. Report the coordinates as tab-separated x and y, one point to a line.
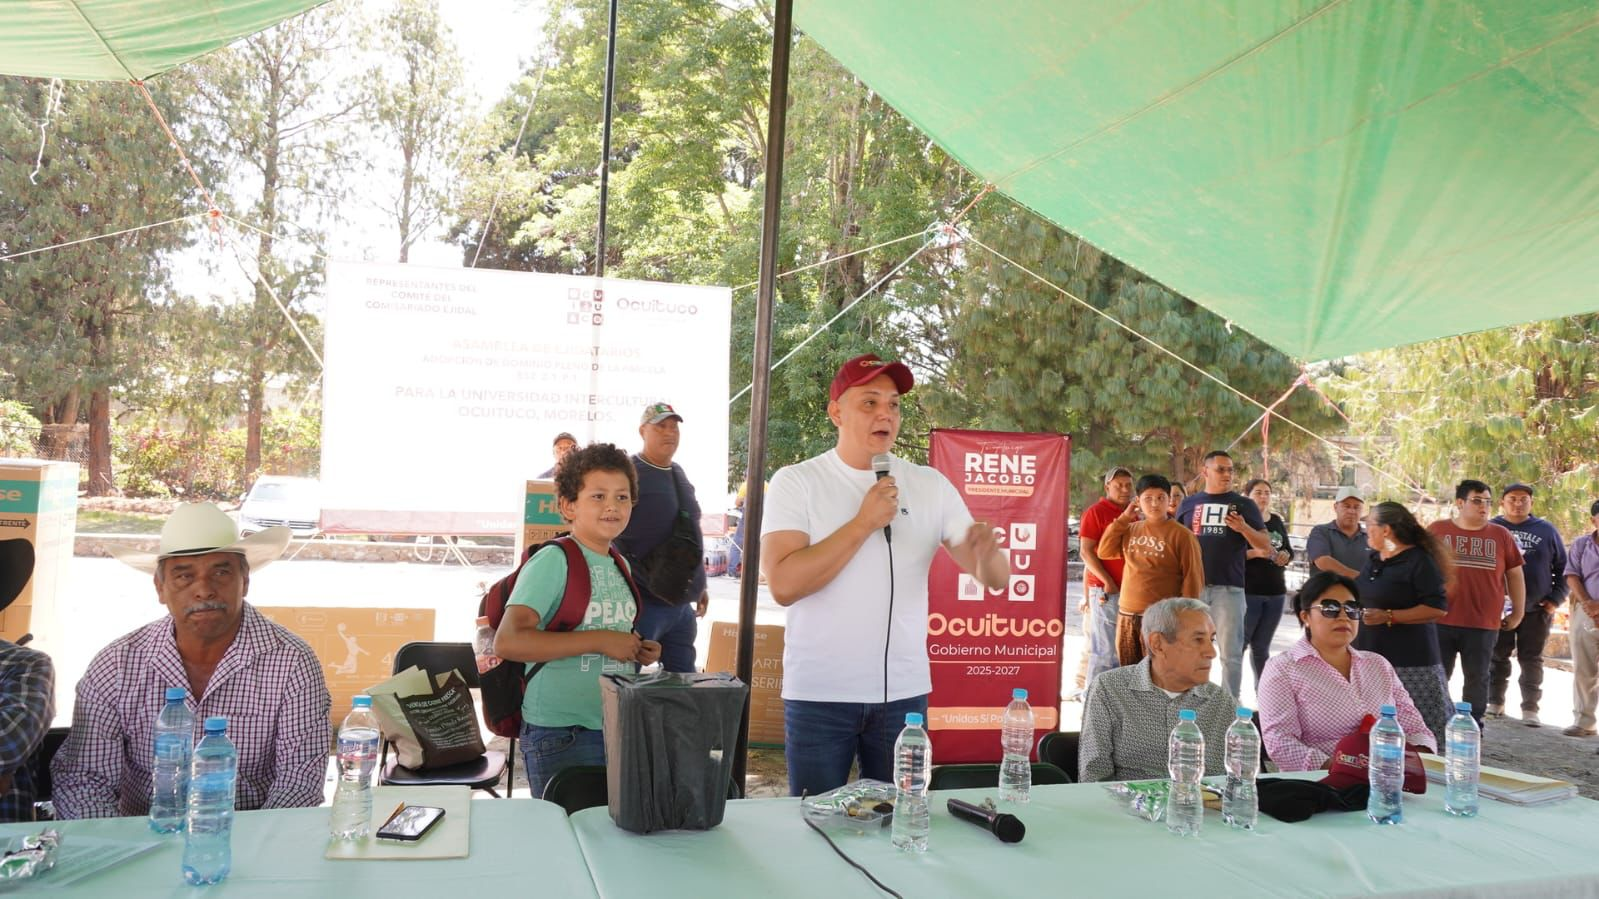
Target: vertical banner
983	643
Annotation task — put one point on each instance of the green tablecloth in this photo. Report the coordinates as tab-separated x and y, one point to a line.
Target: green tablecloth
1080	843
516	845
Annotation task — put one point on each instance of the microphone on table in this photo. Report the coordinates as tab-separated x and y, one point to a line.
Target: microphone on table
1008	828
880	466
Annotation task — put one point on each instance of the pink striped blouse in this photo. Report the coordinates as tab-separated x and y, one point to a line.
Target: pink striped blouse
1306	706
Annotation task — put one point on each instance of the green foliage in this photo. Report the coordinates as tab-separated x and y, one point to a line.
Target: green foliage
274	106
689	145
156	461
995	349
415	100
1516	404
72	320
19	430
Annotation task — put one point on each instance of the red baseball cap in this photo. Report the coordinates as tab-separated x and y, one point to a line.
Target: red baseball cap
1351	758
861	369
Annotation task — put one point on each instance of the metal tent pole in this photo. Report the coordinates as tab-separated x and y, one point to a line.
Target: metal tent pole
605	141
760	393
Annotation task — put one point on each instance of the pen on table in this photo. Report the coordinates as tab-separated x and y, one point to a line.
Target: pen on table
396	811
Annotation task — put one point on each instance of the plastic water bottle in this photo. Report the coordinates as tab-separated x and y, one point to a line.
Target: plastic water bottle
1462	757
1016	739
913	761
207	846
1386	769
358	756
1185	759
1240	804
169	769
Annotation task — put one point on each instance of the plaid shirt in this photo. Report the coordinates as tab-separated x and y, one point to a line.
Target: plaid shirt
269	686
27	705
1127	725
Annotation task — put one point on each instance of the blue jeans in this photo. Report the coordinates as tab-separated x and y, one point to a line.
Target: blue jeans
1262	615
1102	656
546	750
1227	613
1475	646
674	627
822	739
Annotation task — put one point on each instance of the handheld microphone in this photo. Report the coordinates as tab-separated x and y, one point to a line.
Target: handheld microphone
880	466
1008	828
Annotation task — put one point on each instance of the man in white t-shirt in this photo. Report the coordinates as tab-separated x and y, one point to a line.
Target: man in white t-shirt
855	653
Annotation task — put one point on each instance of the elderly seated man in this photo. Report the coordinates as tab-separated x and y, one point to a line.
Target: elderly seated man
234	663
1130	711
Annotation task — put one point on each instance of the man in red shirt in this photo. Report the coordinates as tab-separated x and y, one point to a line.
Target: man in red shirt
1488	567
1102	578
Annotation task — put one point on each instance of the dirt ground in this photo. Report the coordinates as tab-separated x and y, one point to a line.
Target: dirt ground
1507	743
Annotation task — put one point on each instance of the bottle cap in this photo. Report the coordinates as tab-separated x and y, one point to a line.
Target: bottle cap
1389	711
216	725
1463	708
913	718
362	701
1187	715
1019	693
177	694
1245	712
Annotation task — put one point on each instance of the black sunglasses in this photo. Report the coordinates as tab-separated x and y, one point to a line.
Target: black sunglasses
1331	607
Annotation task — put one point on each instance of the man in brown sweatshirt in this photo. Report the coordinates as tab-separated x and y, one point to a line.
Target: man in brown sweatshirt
1161	559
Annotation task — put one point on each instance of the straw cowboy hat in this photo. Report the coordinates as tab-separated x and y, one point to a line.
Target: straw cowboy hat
16	566
195	529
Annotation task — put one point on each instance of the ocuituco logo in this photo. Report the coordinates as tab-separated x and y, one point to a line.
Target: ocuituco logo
585	306
1018	542
1024	535
1021	588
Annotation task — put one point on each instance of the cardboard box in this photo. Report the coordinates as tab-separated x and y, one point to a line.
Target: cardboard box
541	517
356	646
39	504
766	677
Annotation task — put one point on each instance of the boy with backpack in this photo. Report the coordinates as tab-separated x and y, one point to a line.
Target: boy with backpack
595	489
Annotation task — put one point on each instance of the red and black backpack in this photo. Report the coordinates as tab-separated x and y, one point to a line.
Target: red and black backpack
503	685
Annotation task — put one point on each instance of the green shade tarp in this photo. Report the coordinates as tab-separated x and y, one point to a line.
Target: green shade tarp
1331	176
109	40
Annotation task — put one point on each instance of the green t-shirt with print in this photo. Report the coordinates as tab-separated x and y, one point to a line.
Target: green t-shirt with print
567	691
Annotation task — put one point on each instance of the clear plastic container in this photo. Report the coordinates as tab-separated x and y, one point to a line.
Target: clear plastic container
208	839
913	764
1016	742
1185	761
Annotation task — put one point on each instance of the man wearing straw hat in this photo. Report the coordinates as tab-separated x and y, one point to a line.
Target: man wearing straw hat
233	662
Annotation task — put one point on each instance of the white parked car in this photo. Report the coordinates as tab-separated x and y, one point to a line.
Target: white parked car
277	500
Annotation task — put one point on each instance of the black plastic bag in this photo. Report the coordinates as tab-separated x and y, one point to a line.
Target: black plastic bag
669	741
669	568
1292	800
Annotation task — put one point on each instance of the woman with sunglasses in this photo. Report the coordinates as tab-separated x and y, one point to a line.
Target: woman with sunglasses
1402	586
1319	690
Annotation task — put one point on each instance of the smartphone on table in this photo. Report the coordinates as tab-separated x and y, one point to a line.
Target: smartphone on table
410	823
